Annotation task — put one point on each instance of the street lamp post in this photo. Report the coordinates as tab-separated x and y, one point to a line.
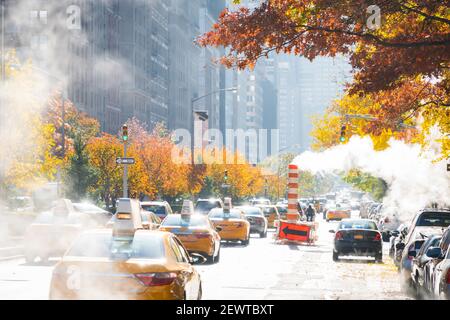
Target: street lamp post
193	100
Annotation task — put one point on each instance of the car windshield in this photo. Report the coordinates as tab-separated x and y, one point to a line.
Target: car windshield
178	220
157	209
146	246
207	205
358	224
434	219
249	211
219	214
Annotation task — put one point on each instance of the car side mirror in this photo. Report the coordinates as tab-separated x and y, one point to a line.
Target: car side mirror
332	231
434	252
219	228
400	246
196	258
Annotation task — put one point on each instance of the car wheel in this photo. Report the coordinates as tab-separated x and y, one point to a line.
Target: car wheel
379	258
217	258
328	220
210	259
335	256
385	236
200	292
247	241
263	234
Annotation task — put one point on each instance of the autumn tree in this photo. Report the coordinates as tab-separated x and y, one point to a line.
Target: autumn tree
79	174
103	152
402	63
26	140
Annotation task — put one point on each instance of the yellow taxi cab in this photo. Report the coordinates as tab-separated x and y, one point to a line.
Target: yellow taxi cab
52	232
271	213
338	213
150	221
231	223
126	262
196	232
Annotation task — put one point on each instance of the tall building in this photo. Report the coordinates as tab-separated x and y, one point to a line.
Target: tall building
306	89
318	83
184	61
210	73
288	112
144	48
110	56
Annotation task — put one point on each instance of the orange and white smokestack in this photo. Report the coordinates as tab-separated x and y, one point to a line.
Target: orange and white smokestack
292	213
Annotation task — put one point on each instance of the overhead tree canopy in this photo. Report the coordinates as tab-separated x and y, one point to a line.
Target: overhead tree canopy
412	39
401	64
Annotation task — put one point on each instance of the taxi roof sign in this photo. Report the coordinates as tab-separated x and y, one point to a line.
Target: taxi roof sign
128	218
227	205
188	207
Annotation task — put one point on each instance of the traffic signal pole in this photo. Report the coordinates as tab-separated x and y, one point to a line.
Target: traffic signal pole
125	166
125	171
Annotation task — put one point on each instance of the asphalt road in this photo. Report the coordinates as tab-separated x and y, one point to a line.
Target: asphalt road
262	270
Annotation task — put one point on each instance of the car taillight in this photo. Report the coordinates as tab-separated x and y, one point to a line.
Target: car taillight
338	236
386	220
377	237
201	235
448	277
156	279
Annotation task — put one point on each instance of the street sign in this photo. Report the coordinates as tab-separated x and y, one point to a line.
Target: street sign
125	161
296	232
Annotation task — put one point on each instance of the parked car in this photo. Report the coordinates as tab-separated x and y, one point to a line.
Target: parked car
426	223
364	209
388	222
439	267
419	279
396	237
160	208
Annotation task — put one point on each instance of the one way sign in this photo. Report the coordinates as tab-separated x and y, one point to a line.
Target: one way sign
125	161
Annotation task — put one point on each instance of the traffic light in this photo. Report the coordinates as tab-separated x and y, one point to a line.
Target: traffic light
125	133
343	137
225	175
